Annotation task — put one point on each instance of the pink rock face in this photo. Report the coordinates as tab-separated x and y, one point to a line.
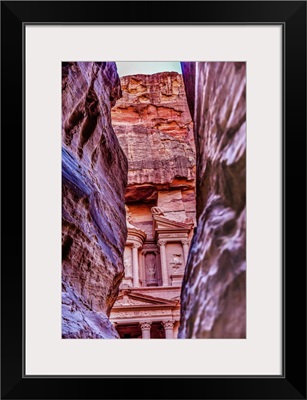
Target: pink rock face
94	177
155	129
214	287
154	126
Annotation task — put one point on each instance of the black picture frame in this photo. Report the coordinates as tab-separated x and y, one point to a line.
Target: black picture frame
292	16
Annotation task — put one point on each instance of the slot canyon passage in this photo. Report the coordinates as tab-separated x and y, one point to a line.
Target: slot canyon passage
153	202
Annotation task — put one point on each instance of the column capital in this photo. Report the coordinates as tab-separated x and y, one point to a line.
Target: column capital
185	241
162	242
145	326
136	245
168	324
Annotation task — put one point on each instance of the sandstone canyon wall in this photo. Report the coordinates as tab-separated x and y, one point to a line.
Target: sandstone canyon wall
155	129
94	177
213	297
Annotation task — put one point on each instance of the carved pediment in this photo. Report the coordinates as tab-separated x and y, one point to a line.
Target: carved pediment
167	224
126	299
129	302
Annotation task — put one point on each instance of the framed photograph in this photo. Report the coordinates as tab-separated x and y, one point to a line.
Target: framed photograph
159	150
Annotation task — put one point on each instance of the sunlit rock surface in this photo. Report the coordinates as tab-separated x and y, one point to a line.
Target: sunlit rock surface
94	178
155	129
213	298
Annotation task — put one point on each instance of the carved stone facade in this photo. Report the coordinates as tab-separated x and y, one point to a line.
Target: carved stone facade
148	305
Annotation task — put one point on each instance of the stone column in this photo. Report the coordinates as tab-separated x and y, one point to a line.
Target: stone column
135	265
176	328
142	268
162	244
185	244
145	326
168	328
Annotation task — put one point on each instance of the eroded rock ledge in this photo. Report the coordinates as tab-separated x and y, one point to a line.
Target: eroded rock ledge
213	303
94	178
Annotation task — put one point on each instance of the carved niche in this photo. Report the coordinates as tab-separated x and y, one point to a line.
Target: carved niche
128	261
176	262
127	265
151	269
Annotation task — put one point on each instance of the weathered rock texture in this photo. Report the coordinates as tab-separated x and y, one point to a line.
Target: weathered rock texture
155	129
213	303
94	178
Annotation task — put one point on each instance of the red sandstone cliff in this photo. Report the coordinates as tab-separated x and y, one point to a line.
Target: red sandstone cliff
94	177
213	303
155	129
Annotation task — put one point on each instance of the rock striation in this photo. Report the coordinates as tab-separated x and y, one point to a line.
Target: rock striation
94	178
213	297
153	124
